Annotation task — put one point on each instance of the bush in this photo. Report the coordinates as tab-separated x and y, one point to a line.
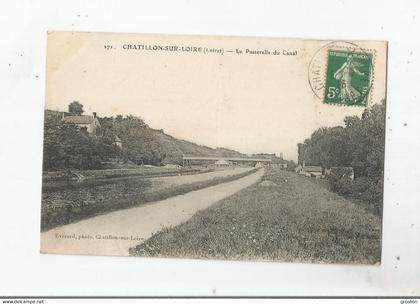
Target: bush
374	195
360	146
362	188
340	185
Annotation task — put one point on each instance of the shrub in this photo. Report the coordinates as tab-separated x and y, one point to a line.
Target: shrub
374	195
360	146
363	188
341	185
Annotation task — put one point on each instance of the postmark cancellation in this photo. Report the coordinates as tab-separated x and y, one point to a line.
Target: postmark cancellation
342	73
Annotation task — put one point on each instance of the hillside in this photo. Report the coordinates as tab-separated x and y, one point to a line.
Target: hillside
175	148
66	146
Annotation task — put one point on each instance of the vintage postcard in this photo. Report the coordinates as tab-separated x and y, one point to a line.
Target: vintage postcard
236	148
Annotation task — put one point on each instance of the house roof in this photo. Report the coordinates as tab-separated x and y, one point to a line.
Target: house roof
312	169
80	119
117	139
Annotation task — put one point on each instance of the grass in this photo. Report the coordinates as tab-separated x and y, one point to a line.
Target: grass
293	220
355	197
54	176
67	203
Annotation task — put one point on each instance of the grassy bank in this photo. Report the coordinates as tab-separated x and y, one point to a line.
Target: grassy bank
355	196
53	177
64	204
290	220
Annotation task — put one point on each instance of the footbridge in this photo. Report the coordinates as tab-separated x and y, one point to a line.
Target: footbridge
186	160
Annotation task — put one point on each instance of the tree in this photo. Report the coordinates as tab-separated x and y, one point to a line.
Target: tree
76	108
68	147
140	144
360	145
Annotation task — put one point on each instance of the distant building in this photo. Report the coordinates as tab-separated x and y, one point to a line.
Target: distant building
309	170
91	123
222	163
341	172
313	171
172	166
117	141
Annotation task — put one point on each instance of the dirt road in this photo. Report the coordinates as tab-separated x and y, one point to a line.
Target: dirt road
114	233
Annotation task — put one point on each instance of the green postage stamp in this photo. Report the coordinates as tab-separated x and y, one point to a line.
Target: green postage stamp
348	78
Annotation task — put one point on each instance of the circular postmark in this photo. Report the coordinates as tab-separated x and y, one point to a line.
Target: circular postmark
341	73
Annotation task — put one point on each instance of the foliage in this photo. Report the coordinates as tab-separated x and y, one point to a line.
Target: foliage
291	165
68	147
76	108
359	144
296	220
175	148
140	144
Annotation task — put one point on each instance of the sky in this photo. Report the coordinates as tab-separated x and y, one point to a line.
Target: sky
249	102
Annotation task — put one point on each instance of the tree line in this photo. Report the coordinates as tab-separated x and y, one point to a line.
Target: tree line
359	144
67	146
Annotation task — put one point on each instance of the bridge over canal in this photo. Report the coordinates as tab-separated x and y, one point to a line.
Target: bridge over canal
187	160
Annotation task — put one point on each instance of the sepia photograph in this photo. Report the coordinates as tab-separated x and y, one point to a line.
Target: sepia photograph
214	147
210	151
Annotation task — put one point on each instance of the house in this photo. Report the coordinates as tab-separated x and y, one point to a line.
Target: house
91	123
313	171
309	171
117	142
340	172
222	163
